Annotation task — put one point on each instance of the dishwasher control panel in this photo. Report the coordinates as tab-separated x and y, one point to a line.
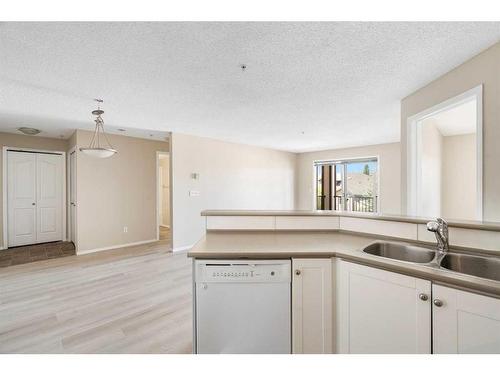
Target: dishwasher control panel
243	271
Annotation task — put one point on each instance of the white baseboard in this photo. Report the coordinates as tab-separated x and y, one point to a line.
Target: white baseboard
182	248
114	247
2	248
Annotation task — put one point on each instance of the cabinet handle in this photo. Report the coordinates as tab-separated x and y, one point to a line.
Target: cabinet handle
297	272
423	296
33	204
438	302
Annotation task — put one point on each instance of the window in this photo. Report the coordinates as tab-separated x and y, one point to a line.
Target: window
347	185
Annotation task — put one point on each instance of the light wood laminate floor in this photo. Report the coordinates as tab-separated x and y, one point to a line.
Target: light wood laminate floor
130	300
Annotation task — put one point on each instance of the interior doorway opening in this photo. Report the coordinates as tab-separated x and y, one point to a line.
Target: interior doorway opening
445	159
163	197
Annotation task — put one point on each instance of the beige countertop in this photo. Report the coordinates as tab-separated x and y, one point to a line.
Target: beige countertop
348	246
470	224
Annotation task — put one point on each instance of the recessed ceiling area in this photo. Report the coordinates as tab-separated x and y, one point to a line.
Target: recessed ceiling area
457	120
306	86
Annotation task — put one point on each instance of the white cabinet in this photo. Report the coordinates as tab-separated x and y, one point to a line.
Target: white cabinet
464	322
381	312
312	311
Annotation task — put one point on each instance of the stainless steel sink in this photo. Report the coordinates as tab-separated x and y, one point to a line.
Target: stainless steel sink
481	266
407	253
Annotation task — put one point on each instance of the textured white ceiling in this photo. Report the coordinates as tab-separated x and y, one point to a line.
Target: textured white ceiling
308	86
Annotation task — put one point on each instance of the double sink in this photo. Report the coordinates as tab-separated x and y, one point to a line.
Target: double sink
475	265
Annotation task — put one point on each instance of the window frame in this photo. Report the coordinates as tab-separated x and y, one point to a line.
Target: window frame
374	158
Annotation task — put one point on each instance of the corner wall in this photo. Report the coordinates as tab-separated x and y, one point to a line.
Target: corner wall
231	176
117	192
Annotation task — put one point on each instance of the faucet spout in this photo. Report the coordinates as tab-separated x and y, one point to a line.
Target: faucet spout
440	229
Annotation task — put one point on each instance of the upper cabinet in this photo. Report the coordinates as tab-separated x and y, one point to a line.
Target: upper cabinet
464	322
312	311
381	312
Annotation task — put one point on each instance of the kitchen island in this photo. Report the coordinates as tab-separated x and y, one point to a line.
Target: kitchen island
344	300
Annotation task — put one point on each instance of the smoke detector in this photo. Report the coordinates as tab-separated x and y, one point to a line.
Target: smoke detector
29	131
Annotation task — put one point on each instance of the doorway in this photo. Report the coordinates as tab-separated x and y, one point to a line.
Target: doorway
72	233
445	159
163	201
34	192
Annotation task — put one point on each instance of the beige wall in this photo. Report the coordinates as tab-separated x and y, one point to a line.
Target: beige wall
25	141
231	176
389	167
482	69
117	192
459	177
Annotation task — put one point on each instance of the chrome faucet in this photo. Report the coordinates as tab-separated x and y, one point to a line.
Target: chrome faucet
440	228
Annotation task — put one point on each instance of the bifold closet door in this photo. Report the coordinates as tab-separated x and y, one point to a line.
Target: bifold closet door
21	198
34	194
49	197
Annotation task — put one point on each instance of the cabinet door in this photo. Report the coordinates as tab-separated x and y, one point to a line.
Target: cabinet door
312	298
381	312
465	322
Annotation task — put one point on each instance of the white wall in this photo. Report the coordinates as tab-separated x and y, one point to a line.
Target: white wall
231	176
429	182
459	177
389	169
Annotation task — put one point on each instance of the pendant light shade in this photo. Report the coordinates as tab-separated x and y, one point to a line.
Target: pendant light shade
97	148
101	153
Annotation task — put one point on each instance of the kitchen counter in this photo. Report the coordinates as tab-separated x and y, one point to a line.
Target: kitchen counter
281	245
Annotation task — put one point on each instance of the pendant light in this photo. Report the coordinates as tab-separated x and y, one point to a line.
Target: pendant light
96	148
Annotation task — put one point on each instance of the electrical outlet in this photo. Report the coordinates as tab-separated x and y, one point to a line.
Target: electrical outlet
125	229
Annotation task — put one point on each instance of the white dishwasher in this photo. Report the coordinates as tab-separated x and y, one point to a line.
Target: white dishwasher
242	306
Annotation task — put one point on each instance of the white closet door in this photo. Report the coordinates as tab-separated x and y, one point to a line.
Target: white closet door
21	198
72	195
49	197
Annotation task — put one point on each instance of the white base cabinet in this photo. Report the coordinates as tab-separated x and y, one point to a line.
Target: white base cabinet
464	322
312	310
381	312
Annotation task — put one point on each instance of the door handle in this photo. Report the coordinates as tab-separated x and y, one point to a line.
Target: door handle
437	302
33	203
423	296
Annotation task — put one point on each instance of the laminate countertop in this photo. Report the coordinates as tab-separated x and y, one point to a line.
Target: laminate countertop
347	246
